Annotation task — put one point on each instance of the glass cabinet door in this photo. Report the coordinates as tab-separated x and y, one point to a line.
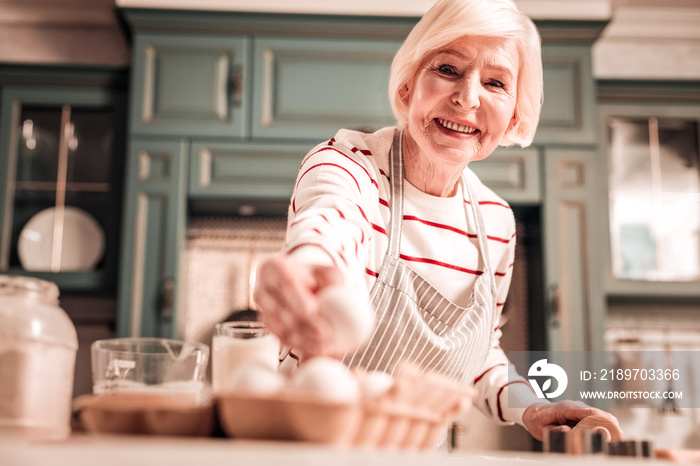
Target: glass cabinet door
63	190
654	198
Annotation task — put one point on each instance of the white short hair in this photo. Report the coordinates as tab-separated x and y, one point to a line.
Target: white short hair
450	20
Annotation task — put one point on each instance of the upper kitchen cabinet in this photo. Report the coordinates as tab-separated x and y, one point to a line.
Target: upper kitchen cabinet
60	191
308	88
569	114
265	77
260	77
568	111
188	85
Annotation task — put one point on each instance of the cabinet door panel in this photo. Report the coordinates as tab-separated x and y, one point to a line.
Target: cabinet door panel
309	88
568	111
245	171
513	174
154	222
572	253
189	85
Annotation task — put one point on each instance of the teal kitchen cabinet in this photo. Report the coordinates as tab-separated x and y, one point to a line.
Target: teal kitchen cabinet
575	311
153	230
513	174
244	171
308	88
61	177
299	77
569	112
650	212
189	85
268	171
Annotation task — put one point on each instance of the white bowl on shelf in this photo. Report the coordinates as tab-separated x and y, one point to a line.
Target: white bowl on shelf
82	247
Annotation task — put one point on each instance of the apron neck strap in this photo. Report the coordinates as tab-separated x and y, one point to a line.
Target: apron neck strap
397	175
480	224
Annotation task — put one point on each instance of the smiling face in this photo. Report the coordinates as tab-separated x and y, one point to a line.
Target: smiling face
461	102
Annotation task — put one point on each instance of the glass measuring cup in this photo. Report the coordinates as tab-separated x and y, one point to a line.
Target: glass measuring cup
150	365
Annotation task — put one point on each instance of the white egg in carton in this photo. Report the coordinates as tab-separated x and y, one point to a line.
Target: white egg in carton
412	413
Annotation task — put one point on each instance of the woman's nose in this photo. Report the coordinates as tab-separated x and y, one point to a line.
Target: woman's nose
466	94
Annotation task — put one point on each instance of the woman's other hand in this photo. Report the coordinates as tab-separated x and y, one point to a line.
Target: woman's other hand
562	415
286	292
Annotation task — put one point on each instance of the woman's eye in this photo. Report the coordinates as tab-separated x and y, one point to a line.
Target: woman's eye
495	83
447	70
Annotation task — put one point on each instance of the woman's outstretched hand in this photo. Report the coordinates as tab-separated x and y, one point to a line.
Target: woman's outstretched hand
562	415
286	292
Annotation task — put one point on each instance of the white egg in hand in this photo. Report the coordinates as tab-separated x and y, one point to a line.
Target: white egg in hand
375	383
350	315
328	379
255	378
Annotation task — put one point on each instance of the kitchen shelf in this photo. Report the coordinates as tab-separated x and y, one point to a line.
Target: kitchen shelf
93	280
71	187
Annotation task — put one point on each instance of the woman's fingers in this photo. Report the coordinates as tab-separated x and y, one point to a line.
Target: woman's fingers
326	276
561	415
288	283
286	295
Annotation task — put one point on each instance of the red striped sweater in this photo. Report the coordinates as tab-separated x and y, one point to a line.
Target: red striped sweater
339	214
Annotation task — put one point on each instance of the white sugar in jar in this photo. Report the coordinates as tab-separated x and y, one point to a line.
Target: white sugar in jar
38	346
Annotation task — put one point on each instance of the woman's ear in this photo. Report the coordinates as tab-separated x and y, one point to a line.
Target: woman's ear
510	132
405	94
513	121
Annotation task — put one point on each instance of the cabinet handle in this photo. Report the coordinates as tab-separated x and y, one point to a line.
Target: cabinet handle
554	304
229	87
236	86
167	298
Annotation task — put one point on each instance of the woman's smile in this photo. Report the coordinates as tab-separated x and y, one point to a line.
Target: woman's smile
456	127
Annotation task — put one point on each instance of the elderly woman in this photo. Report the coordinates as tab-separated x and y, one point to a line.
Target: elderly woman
398	213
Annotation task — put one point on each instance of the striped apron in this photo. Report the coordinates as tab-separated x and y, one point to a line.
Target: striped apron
415	323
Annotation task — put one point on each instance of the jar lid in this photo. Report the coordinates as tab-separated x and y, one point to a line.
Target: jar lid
46	291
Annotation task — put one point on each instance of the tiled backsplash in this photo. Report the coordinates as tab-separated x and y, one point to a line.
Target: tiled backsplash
222	260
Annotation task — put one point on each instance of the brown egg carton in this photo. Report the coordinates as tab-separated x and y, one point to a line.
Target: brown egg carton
139	413
412	415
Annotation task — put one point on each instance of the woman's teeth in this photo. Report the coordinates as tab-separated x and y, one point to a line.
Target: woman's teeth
451	125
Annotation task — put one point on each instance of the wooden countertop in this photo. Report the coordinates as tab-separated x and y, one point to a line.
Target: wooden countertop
82	450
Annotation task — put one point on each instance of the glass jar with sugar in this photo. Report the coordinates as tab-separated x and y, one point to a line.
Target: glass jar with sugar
38	346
